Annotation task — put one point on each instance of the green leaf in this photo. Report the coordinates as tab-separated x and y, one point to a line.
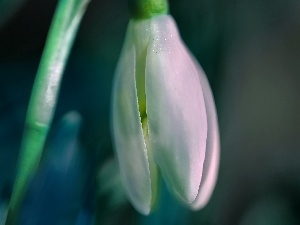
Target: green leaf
44	95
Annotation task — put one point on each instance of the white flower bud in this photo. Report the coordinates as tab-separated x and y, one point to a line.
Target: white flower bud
164	117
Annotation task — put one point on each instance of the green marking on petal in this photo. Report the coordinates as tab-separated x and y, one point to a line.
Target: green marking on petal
140	81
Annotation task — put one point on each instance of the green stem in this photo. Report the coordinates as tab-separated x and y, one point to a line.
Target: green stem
44	94
144	9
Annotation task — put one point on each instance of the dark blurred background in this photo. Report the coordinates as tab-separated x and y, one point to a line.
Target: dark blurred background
250	51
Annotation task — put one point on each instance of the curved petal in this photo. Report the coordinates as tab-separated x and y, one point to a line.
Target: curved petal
175	109
212	156
127	130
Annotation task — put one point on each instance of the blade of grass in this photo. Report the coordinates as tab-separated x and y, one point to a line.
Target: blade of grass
44	94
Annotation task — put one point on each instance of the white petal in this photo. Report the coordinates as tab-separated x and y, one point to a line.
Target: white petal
175	109
128	133
211	163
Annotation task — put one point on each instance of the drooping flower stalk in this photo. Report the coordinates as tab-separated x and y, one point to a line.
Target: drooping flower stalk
44	95
145	9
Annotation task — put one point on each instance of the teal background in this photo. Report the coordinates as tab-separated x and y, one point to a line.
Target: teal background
250	51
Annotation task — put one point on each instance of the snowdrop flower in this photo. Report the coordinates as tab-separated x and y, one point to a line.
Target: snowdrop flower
163	117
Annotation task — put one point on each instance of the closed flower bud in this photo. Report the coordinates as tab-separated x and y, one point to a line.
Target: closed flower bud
163	117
